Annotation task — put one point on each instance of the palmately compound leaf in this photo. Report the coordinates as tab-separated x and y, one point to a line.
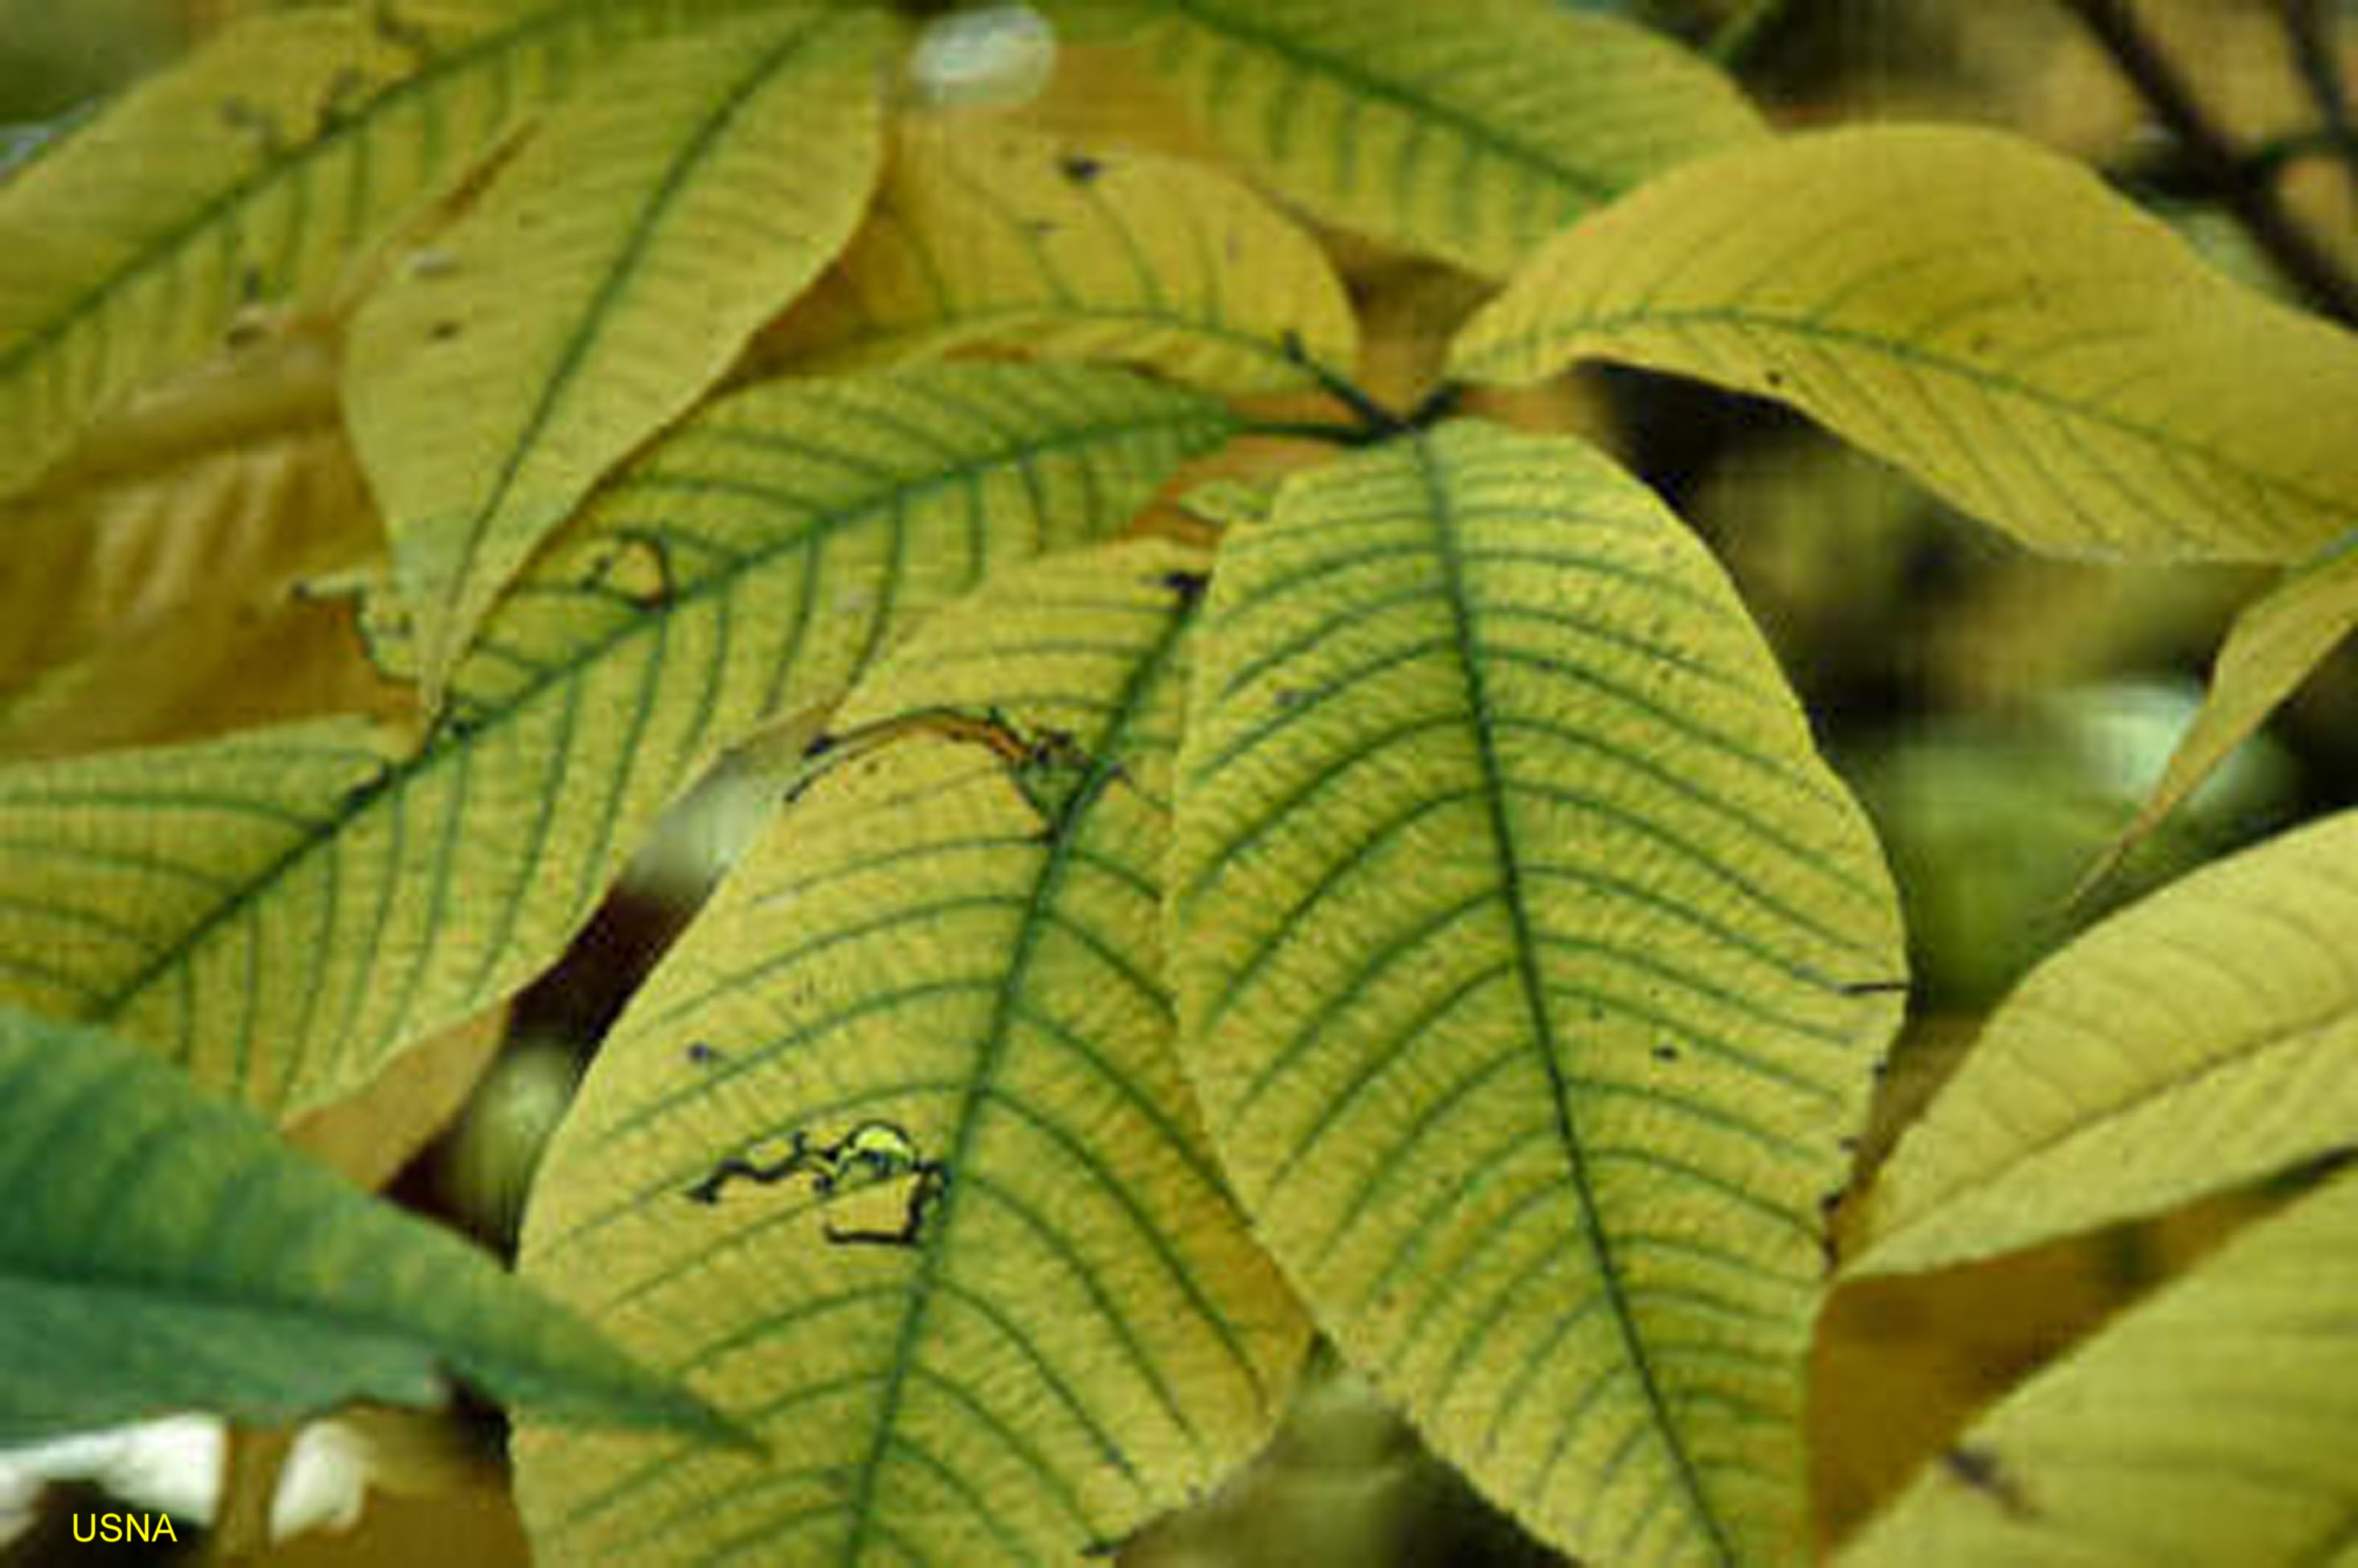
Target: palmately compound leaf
892	1156
1473	135
2213	1423
1979	311
989	233
2196	1041
2277	643
1532	971
162	1250
605	278
253	175
283	910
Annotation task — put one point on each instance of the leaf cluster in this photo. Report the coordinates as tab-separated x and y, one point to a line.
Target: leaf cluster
1289	836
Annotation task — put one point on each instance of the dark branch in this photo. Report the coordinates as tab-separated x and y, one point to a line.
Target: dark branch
2215	160
2309	30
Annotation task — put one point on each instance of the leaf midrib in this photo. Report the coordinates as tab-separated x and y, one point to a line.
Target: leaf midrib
1589	187
614	285
1104	766
1634	321
166	244
399	775
1532	986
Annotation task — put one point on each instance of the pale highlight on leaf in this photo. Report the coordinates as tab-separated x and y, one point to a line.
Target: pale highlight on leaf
605	279
1028	1319
2194	1042
161	1248
2274	644
252	175
2213	1423
1979	311
1532	971
986	233
1473	135
283	910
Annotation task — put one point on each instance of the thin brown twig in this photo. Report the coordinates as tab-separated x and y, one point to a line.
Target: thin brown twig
2214	158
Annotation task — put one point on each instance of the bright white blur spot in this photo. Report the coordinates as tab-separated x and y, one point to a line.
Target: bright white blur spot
1000	57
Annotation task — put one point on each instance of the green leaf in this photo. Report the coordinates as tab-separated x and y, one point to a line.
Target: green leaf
568	316
162	1250
2194	1042
987	1301
1532	971
1474	139
2213	1423
252	175
989	233
2274	646
283	910
1979	311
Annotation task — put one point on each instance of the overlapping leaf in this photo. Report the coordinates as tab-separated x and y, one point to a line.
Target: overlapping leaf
1980	312
162	1250
2274	646
154	590
893	1155
2213	1423
989	233
1531	971
1472	136
225	489
282	909
608	275
253	175
2198	1040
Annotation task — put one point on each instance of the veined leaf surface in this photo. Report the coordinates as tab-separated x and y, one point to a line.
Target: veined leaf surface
1979	311
252	175
1034	1320
1473	135
2214	1422
153	594
989	233
2274	646
2198	1040
1531	971
606	277
282	909
161	1248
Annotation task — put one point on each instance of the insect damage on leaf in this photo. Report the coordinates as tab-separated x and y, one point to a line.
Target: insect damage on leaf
872	1155
1054	773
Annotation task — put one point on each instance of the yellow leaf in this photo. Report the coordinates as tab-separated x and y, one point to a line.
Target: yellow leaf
252	175
2213	1423
228	487
2272	647
155	589
201	670
1532	969
1980	312
606	276
284	909
2198	1040
1472	136
989	233
369	1136
892	1154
